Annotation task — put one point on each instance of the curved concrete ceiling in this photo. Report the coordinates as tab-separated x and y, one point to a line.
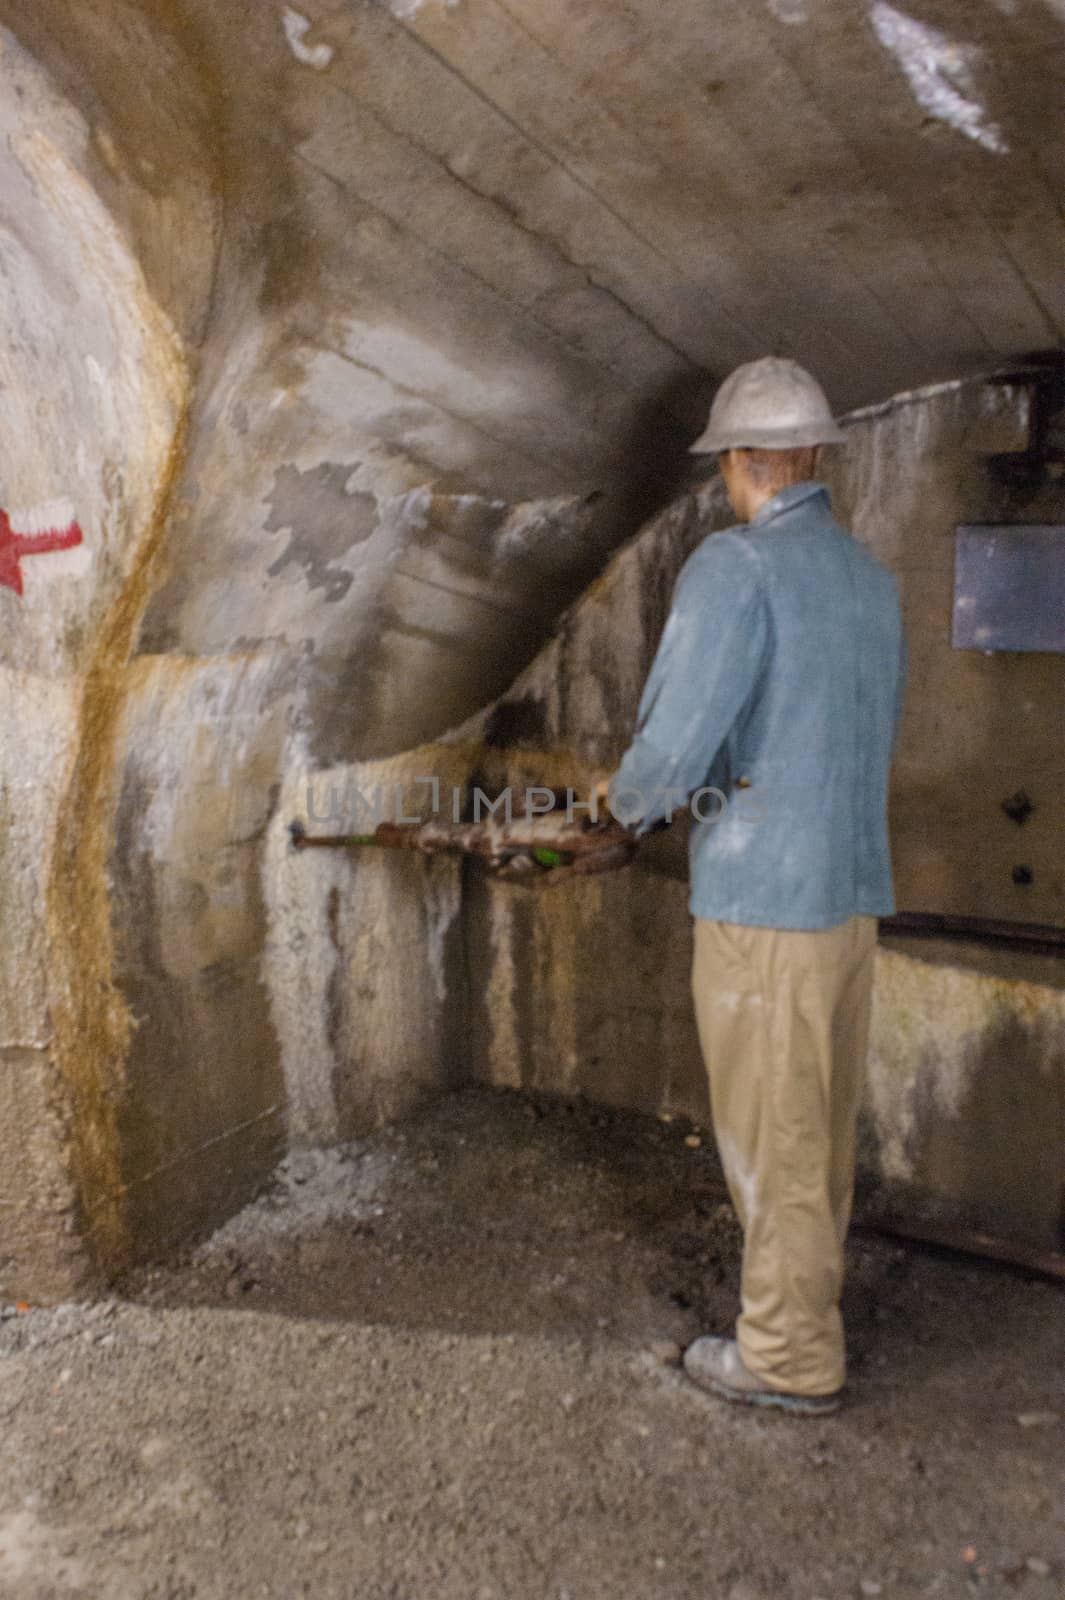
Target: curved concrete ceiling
605	197
494	254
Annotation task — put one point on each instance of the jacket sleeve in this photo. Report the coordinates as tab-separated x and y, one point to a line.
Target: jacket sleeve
900	689
708	662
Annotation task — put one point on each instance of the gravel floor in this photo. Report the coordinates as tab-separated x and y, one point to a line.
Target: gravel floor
434	1366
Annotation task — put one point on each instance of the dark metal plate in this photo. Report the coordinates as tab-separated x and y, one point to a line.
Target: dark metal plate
1009	588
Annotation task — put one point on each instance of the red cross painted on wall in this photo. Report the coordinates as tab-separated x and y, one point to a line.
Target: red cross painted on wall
15	546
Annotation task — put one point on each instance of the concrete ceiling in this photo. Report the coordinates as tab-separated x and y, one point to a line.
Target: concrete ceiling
494	255
506	248
582	203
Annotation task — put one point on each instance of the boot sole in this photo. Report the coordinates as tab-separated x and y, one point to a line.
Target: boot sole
796	1405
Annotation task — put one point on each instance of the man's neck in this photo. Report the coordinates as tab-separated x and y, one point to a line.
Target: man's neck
756	498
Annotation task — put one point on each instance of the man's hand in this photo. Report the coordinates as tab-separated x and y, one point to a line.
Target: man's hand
601	796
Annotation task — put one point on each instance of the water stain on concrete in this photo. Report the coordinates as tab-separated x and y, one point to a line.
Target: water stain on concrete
323	520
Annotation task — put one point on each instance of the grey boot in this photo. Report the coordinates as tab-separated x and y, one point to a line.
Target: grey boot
716	1365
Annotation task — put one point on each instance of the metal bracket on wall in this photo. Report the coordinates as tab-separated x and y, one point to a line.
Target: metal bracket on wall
1009	587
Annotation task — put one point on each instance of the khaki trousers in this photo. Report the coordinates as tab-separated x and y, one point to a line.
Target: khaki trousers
783	1021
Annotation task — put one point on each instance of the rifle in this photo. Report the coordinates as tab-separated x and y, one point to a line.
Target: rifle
532	850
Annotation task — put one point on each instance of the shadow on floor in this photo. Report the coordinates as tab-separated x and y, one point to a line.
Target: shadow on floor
494	1213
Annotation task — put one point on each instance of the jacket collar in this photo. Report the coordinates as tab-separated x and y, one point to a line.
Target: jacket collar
787	500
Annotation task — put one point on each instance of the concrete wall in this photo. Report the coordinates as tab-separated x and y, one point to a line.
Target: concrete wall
356	338
92	395
978	728
334	488
583	988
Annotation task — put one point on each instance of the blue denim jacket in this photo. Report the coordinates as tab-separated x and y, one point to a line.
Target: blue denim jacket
778	682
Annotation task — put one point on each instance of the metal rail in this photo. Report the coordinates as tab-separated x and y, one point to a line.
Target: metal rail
1036	937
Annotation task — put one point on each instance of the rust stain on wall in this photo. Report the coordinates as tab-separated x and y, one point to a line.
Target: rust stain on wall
92	1023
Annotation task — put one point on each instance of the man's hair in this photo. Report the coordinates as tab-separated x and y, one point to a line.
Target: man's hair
779	469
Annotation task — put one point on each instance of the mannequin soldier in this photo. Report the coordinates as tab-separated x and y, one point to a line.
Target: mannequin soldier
778	681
